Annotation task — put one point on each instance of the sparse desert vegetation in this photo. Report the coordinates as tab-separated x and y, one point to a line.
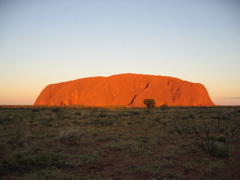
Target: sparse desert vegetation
78	142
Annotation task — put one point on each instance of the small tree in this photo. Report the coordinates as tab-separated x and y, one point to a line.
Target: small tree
150	103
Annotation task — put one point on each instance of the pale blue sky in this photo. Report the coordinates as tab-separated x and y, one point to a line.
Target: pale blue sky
50	41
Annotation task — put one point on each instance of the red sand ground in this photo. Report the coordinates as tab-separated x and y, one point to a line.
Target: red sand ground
125	89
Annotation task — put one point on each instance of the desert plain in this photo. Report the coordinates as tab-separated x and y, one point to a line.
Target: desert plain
116	142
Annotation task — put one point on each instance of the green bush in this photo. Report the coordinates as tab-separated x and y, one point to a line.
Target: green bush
217	149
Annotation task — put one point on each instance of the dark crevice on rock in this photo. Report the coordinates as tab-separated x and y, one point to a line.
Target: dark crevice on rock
132	100
131	103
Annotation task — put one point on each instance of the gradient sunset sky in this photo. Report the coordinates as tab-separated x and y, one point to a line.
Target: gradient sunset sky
50	41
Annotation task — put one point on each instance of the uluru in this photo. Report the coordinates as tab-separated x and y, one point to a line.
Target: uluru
127	90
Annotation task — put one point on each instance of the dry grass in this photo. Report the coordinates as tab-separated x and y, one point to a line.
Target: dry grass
119	143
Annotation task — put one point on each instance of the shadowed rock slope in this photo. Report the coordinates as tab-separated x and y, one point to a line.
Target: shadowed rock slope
125	89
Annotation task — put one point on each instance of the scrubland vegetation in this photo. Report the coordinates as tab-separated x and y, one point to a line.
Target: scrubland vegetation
80	142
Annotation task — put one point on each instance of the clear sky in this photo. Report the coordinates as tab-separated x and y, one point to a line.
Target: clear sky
50	41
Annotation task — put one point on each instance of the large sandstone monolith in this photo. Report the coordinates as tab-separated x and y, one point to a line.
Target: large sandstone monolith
125	89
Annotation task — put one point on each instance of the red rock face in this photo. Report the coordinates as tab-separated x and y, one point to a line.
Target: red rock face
127	90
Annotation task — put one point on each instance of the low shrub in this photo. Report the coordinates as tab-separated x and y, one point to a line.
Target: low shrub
55	110
102	122
164	106
21	161
69	138
218	146
6	120
52	173
35	110
221	138
182	127
77	113
217	149
147	111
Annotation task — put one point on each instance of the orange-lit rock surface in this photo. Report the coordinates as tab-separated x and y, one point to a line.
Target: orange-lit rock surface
125	89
